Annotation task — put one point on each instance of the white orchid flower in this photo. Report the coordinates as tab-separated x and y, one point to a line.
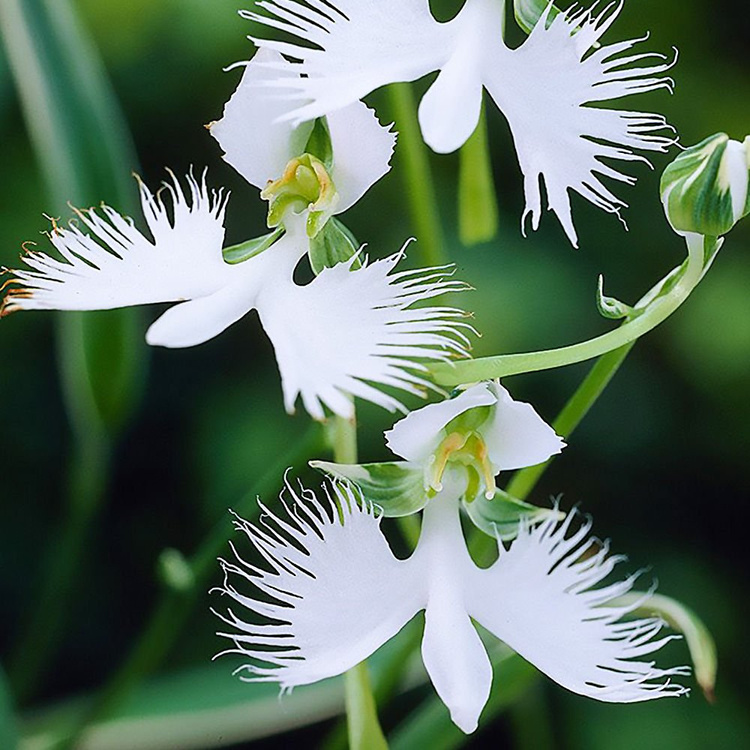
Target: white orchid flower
348	332
262	148
483	428
334	593
474	436
545	88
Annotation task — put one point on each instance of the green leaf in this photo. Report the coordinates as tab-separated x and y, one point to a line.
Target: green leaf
477	199
683	619
396	487
501	516
333	244
86	156
319	143
8	728
528	13
246	250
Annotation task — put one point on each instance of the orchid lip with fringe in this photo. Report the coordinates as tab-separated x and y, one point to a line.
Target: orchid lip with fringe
349	332
349	48
330	592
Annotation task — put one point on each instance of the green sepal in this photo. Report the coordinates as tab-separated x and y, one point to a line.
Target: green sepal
397	487
319	143
705	190
332	245
680	617
246	250
501	516
528	13
610	307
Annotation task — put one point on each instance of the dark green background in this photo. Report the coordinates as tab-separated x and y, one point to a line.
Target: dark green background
661	463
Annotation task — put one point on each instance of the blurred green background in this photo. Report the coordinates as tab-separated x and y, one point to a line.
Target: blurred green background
661	462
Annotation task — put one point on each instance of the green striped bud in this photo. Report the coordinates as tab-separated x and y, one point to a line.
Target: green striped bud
705	189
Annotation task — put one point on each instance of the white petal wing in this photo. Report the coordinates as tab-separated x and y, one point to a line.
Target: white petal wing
418	434
540	597
545	89
351	47
515	435
331	586
107	262
350	332
362	150
255	143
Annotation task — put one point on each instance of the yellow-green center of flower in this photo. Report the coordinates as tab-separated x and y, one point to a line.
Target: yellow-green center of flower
305	185
464	446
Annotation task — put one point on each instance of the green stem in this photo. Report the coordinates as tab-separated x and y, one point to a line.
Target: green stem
362	722
572	414
477	201
487	368
419	184
175	604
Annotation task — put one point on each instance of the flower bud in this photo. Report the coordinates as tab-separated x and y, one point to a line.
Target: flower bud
705	189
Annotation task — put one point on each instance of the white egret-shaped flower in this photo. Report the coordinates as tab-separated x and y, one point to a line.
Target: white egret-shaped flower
546	88
349	331
334	593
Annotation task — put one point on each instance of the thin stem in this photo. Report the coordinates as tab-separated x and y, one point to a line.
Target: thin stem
362	722
572	414
419	183
175	604
487	368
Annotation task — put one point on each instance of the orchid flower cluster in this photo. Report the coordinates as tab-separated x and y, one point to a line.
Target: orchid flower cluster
329	591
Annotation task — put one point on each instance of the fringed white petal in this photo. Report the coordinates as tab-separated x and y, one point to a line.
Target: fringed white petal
545	87
349	330
348	48
255	143
417	435
107	262
330	584
541	598
515	435
362	151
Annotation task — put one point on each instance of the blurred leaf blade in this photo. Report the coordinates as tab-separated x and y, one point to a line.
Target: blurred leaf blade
8	728
85	155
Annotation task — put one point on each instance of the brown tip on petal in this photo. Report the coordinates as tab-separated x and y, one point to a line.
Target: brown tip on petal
709	694
209	125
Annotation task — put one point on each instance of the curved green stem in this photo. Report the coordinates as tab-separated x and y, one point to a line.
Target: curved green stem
420	187
487	368
362	722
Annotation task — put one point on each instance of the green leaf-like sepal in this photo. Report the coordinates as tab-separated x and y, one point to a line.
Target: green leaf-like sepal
610	307
319	143
251	248
705	189
528	13
397	487
684	620
501	516
333	244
